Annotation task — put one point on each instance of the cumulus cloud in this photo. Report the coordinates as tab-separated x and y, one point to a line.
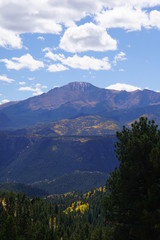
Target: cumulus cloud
4	78
123	17
49	16
30	89
9	39
46	26
57	68
155	19
4	101
44	16
77	62
29	16
69	11
87	63
25	61
130	3
37	89
87	37
119	57
123	87
144	3
54	57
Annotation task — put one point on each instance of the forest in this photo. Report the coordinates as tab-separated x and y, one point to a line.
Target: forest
69	216
127	208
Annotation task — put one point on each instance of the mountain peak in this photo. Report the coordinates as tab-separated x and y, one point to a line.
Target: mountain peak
80	86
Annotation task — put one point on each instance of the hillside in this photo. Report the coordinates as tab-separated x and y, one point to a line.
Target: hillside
79	126
68	135
32	158
78	181
68	216
79	99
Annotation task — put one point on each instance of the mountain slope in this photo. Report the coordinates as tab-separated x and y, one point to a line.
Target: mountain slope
27	160
82	126
78	181
66	130
75	100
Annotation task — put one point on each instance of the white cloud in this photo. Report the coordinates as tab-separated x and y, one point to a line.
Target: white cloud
37	89
41	38
119	57
46	26
123	87
9	39
68	11
155	19
49	16
54	57
22	83
29	16
46	49
44	16
32	16
4	78
131	3
25	61
123	17
87	63
77	62
57	68
4	101
87	37
30	89
144	3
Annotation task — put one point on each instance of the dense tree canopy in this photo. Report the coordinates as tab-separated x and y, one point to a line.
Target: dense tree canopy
72	216
133	203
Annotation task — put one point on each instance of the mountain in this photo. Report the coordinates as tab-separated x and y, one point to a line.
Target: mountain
78	99
55	164
81	181
82	126
64	139
30	159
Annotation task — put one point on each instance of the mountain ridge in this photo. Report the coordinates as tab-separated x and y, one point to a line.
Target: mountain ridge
77	87
68	129
72	100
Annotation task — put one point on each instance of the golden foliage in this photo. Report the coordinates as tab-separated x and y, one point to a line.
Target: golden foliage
77	207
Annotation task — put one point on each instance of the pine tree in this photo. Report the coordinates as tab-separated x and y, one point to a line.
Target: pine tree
133	203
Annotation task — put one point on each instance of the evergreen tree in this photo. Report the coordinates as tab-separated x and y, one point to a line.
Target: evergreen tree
133	203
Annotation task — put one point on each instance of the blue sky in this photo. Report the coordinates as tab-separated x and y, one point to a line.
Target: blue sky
48	43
